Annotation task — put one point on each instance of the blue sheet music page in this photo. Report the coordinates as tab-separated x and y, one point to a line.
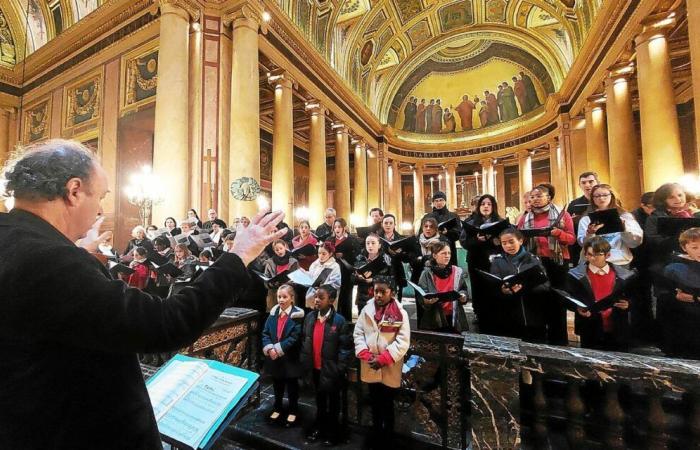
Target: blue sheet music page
192	397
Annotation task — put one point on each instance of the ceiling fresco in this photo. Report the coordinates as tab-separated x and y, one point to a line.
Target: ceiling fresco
391	50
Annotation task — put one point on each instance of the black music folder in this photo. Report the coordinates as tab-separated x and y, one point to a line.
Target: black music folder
167	269
528	278
441	297
599	306
674	226
279	278
118	268
488	229
446	225
304	250
609	218
400	244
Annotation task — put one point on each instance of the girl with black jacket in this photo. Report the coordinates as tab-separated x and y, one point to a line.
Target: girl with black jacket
373	250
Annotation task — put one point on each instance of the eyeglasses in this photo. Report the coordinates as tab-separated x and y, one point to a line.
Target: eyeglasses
593	255
602	195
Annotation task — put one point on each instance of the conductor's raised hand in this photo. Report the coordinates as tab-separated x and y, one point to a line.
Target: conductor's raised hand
93	237
250	241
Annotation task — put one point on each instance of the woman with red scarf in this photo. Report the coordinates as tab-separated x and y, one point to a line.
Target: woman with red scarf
441	276
552	249
669	201
304	238
382	337
274	266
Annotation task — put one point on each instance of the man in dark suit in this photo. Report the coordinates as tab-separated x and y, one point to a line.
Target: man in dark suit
69	333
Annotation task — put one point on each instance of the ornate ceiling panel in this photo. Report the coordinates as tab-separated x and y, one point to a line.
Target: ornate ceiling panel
379	46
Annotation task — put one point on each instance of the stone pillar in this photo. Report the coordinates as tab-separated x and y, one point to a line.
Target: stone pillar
501	186
418	198
622	138
171	130
360	184
244	137
374	193
13	138
451	183
525	179
487	173
317	163
596	139
342	172
4	135
397	193
283	146
694	44
661	145
557	172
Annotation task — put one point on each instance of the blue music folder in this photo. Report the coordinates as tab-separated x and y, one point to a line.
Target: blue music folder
194	400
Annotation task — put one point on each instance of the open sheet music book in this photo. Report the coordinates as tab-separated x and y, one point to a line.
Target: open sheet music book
194	400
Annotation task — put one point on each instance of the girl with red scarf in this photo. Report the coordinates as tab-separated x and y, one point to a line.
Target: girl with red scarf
304	238
382	336
441	276
139	278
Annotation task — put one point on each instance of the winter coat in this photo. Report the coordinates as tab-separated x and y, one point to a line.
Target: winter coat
288	346
368	336
433	317
271	271
364	287
679	320
333	277
336	350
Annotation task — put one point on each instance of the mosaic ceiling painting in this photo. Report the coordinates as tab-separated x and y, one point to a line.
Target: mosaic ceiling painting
389	51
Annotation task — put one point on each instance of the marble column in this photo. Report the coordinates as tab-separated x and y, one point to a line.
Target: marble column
283	146
484	183
487	173
397	193
342	172
4	135
557	172
596	138
374	184
13	138
171	130
525	178
662	158
244	137
418	197
360	184
317	163
622	138
694	44
451	183
500	192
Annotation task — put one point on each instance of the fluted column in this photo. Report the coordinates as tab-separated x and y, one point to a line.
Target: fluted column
596	138
244	144
622	138
451	185
694	44
342	172
373	179
171	130
283	146
360	184
317	163
662	158
418	202
525	172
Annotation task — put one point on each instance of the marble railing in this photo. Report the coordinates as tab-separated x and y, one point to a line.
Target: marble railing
537	396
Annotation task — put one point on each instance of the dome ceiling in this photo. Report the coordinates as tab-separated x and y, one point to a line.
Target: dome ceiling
389	51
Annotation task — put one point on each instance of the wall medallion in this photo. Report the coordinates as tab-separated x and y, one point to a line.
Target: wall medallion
245	189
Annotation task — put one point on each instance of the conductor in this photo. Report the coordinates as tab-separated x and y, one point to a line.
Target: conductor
69	333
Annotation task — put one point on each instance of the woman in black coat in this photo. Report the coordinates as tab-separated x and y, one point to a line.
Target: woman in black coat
521	310
480	247
346	247
373	250
399	257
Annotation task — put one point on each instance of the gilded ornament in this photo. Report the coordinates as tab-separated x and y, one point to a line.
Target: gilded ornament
245	189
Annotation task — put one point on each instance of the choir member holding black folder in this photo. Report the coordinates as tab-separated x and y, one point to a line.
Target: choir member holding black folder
518	286
678	306
441	292
578	207
370	263
603	288
346	247
281	262
672	215
139	239
479	238
550	232
449	224
301	242
606	218
401	249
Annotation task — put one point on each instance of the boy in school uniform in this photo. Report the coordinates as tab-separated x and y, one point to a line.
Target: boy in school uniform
679	299
326	352
382	337
595	280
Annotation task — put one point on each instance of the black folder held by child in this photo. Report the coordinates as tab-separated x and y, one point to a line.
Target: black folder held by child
599	306
528	279
118	268
441	297
674	226
304	250
167	269
609	218
373	266
279	278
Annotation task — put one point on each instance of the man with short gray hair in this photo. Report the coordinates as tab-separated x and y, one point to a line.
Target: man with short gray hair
213	217
326	227
69	333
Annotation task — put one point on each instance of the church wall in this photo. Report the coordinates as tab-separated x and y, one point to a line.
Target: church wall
686	122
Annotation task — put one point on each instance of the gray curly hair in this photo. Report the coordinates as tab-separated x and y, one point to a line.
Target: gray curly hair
40	171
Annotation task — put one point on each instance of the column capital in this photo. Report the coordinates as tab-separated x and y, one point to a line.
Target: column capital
596	101
523	154
281	78
451	166
188	9
486	162
340	127
246	13
621	70
419	166
314	107
656	25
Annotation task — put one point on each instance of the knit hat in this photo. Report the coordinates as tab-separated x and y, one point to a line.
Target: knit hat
439	194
